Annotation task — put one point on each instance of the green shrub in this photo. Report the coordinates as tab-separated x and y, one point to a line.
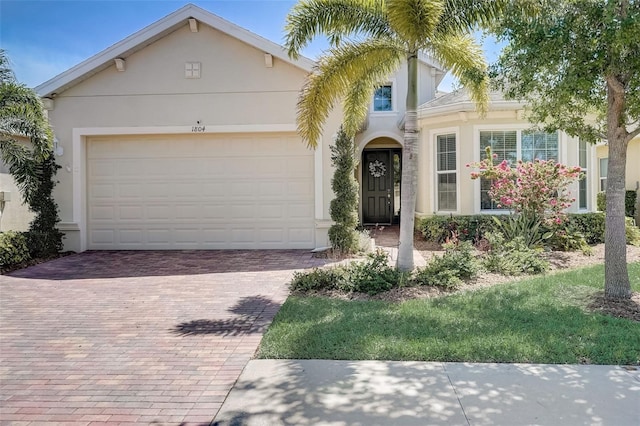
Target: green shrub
592	225
632	232
440	229
629	202
529	227
589	225
44	239
13	249
318	279
372	276
568	239
457	264
344	207
601	201
513	257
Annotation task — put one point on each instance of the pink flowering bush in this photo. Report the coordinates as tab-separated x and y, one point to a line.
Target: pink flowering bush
535	189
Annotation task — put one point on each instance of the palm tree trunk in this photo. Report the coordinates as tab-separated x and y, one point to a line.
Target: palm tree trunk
409	182
616	276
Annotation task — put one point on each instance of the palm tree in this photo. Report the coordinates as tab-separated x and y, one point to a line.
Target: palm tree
370	39
22	120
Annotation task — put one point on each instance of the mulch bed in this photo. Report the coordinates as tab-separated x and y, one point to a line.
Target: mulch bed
629	309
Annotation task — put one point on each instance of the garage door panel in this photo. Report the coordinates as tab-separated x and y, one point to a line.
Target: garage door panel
200	191
131	213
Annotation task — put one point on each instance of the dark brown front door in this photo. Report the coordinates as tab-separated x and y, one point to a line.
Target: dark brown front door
377	187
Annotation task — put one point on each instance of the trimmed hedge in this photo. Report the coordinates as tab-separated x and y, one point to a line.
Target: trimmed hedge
440	229
13	248
629	202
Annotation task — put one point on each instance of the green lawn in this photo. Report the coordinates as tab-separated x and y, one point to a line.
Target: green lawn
540	320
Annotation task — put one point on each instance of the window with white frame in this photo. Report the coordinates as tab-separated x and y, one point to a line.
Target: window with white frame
582	183
604	165
446	173
514	145
383	99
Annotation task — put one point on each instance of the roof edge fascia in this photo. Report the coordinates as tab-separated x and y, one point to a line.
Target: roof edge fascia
75	73
426	111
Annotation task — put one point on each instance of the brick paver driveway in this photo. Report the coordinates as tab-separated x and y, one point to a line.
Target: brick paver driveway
135	337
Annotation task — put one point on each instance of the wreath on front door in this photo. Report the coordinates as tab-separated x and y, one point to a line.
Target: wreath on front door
377	169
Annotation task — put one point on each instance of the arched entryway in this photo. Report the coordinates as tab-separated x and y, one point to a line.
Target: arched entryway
380	171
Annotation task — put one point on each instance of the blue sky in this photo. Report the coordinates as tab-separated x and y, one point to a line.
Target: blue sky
46	37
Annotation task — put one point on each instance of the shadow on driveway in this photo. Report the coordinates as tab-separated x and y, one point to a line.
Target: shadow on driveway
252	315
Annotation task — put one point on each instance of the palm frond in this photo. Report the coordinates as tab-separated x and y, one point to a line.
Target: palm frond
414	20
464	58
21	164
335	19
467	15
21	114
349	71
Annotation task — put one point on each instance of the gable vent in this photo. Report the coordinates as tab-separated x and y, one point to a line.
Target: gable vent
192	70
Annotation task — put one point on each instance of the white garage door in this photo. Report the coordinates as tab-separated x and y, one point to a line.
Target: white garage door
248	191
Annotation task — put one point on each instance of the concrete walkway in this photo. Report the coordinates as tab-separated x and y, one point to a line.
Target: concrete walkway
312	392
386	237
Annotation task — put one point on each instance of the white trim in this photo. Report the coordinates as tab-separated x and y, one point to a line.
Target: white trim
381	134
587	172
433	154
155	31
199	129
318	183
426	111
79	174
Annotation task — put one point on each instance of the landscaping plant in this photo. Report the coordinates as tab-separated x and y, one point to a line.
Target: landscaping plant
344	207
13	248
26	148
536	189
372	276
449	270
512	257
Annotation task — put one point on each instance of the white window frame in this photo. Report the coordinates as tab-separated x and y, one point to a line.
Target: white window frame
394	100
585	171
433	137
562	155
601	178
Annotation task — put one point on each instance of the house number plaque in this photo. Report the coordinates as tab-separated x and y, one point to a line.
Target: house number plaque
197	129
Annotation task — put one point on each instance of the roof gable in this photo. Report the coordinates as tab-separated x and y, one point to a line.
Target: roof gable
156	31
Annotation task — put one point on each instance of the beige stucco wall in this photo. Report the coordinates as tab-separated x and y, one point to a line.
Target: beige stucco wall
14	214
385	124
467	127
235	88
632	178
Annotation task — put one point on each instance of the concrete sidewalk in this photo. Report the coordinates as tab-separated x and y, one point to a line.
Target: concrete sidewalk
312	392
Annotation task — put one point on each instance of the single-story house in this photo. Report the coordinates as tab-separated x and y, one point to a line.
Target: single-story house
183	136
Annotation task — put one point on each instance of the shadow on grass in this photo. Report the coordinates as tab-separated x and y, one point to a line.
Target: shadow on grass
252	315
516	323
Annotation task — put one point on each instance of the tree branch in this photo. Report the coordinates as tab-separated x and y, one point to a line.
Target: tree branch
633	134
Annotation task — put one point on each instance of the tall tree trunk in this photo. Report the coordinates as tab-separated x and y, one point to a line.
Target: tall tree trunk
616	276
409	182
